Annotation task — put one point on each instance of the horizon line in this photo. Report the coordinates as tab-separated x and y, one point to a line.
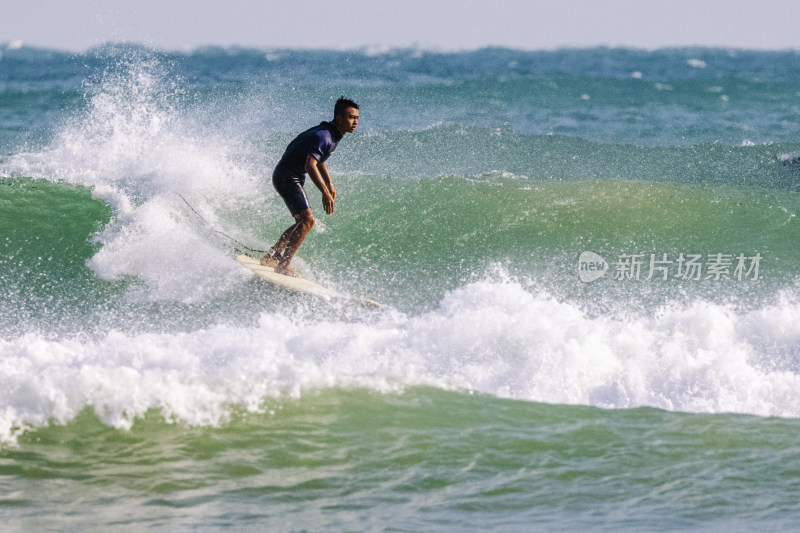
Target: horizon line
378	49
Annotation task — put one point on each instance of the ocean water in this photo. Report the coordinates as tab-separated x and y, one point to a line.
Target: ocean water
588	259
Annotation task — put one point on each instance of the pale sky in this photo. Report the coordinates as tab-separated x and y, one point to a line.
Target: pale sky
428	24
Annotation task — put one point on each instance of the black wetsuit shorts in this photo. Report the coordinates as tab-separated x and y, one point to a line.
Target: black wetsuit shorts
290	186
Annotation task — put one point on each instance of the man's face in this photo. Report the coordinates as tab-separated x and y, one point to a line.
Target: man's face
347	120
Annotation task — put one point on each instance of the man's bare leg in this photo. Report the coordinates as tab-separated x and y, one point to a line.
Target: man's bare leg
274	255
289	242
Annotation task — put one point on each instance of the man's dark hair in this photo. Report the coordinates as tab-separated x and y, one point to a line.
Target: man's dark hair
341	104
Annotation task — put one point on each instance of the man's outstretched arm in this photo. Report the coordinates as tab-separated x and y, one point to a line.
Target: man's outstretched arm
323	171
315	171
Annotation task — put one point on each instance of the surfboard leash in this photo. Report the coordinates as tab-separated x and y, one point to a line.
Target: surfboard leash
240	248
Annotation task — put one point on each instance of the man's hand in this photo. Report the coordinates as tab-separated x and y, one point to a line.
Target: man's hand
327	203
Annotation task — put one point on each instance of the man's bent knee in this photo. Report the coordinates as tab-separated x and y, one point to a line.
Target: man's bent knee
305	219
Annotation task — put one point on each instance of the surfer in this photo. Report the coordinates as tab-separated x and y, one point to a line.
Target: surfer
307	154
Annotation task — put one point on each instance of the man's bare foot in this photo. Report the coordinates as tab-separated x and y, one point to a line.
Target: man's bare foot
269	261
286	270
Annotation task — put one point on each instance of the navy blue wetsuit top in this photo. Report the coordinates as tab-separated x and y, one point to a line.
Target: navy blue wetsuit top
319	142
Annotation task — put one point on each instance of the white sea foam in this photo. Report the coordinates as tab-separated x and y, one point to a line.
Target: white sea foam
141	156
491	336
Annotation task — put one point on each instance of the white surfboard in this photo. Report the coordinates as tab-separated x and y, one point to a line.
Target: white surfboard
299	284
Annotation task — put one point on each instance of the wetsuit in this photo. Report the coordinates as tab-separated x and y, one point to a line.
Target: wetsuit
289	175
